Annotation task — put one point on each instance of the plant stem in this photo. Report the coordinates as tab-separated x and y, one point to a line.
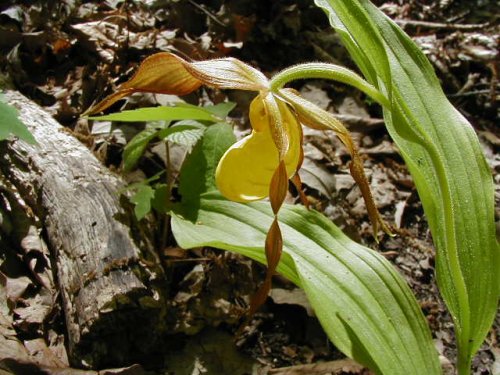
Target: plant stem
168	172
330	72
463	363
169	182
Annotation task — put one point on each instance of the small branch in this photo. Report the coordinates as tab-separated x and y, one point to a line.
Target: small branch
469	93
359	123
440	25
209	15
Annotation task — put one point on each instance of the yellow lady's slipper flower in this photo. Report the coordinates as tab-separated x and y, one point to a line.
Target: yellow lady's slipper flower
259	165
244	173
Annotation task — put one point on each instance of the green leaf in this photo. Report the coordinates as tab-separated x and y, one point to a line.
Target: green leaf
181	126
142	200
198	171
221	110
11	125
161	200
159	113
450	172
187	137
136	147
363	304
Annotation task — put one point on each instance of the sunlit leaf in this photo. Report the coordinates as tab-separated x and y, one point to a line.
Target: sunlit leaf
363	304
158	114
220	110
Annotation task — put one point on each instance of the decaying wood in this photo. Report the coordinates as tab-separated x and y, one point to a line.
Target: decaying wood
108	282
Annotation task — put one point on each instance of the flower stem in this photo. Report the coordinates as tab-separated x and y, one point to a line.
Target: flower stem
330	72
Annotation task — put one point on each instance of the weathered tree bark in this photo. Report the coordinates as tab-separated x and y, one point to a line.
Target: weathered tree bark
110	283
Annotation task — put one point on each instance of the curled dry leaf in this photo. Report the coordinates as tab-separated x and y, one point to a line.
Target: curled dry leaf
42	355
37	257
14	287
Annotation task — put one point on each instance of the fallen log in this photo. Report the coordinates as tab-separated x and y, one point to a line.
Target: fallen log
110	282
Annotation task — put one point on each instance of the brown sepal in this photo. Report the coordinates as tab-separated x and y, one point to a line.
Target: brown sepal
274	248
358	173
161	73
278	187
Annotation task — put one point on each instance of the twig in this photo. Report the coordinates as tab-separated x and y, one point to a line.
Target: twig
440	25
359	123
209	15
469	93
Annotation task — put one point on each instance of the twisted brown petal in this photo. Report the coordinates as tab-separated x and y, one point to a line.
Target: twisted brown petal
317	118
278	131
274	239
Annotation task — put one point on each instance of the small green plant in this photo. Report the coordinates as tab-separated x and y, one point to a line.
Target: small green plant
366	308
182	124
10	125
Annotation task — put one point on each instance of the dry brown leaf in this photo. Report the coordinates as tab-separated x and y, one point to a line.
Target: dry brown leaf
37	257
14	287
41	354
36	310
335	367
295	296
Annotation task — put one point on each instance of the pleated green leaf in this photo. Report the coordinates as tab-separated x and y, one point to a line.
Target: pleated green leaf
445	159
364	305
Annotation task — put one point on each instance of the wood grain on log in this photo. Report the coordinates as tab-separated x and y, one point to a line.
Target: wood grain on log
112	297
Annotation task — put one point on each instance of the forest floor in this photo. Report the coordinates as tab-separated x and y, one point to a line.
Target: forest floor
67	54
